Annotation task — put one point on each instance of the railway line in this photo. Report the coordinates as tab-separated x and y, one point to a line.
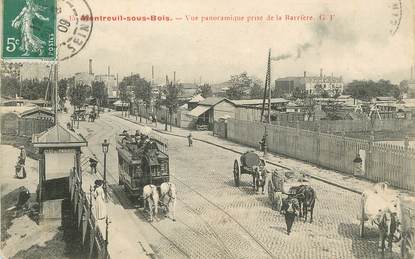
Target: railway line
195	224
209	227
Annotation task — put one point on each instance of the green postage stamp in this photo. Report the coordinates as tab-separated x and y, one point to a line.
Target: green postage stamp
29	29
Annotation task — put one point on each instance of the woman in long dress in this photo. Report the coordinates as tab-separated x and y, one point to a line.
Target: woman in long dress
99	195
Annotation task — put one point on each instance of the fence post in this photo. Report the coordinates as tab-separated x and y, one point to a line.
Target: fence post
297	136
369	162
344	157
317	137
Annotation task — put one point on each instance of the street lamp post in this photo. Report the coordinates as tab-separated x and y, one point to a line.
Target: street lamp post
105	146
106	236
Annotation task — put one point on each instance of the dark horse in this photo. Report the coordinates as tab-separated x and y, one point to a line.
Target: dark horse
258	178
307	198
387	223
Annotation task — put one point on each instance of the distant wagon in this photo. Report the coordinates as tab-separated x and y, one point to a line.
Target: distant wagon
249	161
142	160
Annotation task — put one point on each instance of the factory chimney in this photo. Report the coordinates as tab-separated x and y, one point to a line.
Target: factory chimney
109	71
412	73
305	74
90	66
321	73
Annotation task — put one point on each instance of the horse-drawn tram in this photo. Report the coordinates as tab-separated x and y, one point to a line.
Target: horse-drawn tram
142	160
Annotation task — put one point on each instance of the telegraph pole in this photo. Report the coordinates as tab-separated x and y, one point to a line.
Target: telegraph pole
269	86
56	94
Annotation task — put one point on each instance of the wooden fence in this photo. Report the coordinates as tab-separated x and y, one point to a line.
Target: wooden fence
92	237
382	162
348	125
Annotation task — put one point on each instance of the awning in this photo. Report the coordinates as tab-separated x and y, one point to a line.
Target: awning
199	110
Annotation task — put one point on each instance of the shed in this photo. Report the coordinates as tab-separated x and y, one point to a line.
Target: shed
212	109
59	151
38	113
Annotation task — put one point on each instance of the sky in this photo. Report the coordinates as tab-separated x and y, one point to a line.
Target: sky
355	44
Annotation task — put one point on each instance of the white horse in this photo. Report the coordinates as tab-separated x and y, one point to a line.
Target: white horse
168	198
151	197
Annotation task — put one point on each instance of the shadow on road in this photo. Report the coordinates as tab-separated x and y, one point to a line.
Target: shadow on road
368	245
121	197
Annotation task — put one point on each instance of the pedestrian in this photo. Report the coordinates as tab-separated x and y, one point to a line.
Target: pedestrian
22	156
190	140
93	164
290	207
99	196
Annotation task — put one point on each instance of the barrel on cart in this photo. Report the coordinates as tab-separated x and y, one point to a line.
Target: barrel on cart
249	160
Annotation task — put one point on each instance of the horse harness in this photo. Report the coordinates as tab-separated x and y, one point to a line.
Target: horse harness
169	193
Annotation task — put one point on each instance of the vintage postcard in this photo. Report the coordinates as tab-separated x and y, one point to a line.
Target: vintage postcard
207	129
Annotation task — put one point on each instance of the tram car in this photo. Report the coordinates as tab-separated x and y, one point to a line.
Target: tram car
142	160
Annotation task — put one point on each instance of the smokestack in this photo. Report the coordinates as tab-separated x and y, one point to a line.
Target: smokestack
174	78
152	74
305	74
412	73
109	71
90	66
321	73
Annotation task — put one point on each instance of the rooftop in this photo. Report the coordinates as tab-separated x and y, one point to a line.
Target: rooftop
259	101
58	136
211	101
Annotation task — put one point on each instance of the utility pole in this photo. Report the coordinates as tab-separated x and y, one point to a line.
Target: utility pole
56	94
20	79
167	113
269	86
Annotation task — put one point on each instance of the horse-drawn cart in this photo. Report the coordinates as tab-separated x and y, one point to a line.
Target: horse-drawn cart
282	182
249	162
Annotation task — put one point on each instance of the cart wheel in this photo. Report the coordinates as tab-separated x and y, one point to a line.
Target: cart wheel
236	173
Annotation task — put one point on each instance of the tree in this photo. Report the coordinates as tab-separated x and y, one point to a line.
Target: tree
172	93
142	91
63	88
9	86
205	90
123	91
366	90
240	84
99	92
299	93
256	92
78	94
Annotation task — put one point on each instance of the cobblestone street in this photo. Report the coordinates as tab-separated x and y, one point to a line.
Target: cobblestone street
215	219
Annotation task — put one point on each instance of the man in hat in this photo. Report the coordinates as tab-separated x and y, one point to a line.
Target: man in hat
290	207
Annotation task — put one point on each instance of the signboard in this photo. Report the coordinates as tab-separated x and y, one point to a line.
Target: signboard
29	30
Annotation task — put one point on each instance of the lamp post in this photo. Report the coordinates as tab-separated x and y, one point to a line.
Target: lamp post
105	146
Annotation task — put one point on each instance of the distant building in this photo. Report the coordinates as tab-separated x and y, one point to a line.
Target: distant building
277	104
311	84
110	82
84	78
212	109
